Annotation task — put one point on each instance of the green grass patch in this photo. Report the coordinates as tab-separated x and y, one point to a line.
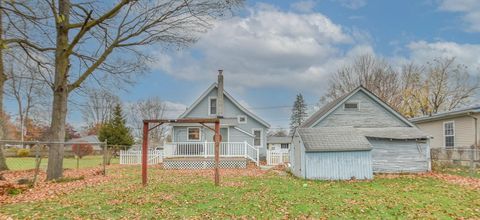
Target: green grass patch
458	170
176	195
25	163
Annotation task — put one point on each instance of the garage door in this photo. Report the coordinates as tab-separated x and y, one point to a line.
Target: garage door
398	156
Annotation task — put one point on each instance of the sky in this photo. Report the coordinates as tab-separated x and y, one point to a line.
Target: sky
272	50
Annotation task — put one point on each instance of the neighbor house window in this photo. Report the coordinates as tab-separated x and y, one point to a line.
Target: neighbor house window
351	106
257	140
242	119
449	133
212	106
193	134
284	146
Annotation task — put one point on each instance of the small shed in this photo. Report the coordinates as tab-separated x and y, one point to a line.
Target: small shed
333	153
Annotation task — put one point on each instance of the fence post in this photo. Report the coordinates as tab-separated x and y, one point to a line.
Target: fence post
258	157
205	149
245	147
105	157
472	165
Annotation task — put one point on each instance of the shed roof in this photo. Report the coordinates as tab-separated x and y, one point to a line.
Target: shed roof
398	133
279	140
333	139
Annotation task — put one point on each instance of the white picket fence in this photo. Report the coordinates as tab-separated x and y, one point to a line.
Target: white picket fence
190	150
277	157
206	149
130	157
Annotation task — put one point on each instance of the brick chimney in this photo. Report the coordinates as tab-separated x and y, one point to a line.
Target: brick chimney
220	93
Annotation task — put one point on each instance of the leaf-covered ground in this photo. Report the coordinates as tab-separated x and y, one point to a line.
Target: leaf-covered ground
254	193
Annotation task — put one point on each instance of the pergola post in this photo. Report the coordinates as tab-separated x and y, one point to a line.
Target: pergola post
144	153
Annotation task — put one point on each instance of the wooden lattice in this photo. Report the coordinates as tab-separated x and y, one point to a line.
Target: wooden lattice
203	164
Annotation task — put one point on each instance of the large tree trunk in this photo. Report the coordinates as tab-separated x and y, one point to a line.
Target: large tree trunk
3	163
60	95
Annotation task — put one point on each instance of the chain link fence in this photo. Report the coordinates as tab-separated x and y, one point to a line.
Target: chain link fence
464	161
27	160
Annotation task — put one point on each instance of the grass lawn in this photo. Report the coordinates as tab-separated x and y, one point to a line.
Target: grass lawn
189	194
459	170
25	163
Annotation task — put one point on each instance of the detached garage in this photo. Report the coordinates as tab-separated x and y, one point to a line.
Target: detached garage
340	153
355	135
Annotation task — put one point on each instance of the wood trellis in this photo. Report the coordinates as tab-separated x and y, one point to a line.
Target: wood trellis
203	121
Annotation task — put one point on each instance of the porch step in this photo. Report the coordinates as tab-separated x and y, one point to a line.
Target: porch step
204	163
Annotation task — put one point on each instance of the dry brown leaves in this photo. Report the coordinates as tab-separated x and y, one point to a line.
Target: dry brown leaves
47	189
473	183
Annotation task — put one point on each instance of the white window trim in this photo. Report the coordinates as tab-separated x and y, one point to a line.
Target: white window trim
238	119
199	134
358	106
228	133
261	137
210	105
445	136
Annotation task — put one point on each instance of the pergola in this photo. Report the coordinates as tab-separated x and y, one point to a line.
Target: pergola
203	121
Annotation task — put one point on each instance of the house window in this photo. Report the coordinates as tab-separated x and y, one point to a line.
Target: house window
257	140
350	106
449	133
212	109
193	134
242	119
284	146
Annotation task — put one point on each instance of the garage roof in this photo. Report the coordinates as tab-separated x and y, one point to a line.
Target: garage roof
333	139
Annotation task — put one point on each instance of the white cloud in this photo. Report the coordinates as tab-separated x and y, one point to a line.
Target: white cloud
352	4
469	8
304	6
467	54
268	47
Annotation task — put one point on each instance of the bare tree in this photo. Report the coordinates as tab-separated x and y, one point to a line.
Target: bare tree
375	74
98	107
90	40
24	87
426	89
151	108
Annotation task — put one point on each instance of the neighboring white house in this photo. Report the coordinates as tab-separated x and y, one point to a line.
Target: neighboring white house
279	143
91	139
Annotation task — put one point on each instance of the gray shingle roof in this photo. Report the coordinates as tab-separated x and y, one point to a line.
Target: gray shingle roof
333	139
444	115
279	140
394	133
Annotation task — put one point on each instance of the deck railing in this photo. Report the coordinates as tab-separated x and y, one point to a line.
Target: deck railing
207	149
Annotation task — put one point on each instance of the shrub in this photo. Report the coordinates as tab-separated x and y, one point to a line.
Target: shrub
81	150
23	152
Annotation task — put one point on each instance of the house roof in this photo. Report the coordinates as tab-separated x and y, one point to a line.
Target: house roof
89	139
445	115
279	140
235	102
399	133
333	139
331	106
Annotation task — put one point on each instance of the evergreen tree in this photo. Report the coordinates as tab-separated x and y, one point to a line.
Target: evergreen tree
115	131
299	113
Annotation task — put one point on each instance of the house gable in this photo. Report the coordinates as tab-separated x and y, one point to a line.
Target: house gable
232	109
371	113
